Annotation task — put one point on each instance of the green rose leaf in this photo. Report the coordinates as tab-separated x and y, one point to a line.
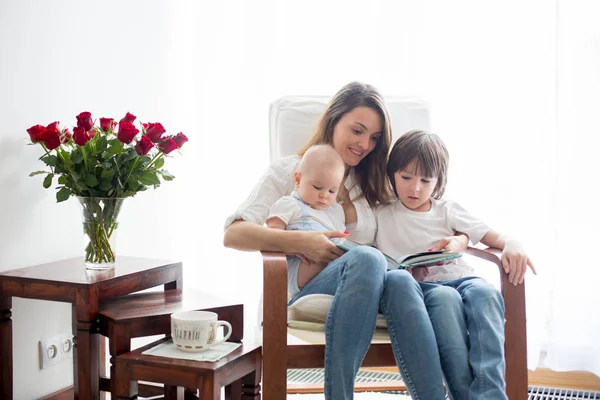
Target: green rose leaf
77	156
105	185
101	144
148	178
116	149
107	173
48	181
50	160
159	163
167	175
62	180
63	194
38	173
90	180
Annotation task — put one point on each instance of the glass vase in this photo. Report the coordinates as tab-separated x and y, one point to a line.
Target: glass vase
100	222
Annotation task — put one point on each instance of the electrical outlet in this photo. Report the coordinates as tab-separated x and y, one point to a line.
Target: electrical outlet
56	349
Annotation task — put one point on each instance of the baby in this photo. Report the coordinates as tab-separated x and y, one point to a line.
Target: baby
312	206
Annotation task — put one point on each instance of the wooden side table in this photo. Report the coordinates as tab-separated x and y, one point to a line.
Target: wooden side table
240	370
69	281
148	314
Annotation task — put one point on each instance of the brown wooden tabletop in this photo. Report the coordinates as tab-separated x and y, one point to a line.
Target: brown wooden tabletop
69	281
209	377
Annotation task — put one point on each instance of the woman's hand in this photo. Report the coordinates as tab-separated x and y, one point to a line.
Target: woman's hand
515	262
316	246
454	244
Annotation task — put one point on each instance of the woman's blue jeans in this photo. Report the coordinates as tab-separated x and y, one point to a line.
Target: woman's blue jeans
468	319
362	286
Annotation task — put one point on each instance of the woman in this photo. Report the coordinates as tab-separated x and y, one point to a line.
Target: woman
356	124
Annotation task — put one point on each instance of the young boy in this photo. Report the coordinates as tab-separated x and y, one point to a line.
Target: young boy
312	206
467	313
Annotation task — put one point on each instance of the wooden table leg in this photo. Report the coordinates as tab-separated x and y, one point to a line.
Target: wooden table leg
86	375
6	348
178	282
209	390
234	391
120	343
251	383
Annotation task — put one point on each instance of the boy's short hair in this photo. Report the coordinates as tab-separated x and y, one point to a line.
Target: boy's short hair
430	154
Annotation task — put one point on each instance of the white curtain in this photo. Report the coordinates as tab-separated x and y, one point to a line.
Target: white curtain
574	323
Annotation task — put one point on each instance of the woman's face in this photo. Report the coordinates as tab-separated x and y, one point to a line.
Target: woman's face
356	134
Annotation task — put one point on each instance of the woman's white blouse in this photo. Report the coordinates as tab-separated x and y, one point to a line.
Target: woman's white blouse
278	181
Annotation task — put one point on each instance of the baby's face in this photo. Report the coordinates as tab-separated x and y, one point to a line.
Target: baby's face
318	187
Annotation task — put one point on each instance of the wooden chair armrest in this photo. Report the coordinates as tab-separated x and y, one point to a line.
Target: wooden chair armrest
515	329
274	341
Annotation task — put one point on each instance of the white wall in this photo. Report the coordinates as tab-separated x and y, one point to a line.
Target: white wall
210	69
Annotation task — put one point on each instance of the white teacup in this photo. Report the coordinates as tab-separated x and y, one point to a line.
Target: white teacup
195	331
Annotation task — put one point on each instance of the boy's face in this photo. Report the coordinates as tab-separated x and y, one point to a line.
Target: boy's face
318	187
413	189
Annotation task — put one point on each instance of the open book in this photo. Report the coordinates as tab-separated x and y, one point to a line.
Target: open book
425	259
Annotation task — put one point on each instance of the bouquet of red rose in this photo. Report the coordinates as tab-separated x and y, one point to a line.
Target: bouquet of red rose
101	165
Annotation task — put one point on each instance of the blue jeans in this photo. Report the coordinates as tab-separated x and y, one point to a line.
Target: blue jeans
362	286
468	319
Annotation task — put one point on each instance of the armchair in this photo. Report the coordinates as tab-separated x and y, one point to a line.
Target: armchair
292	119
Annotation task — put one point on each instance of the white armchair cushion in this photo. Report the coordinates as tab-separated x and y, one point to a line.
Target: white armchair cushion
293	120
315	307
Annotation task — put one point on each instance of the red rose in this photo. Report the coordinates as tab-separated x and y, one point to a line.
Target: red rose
180	139
80	136
128	118
84	120
51	136
107	124
154	131
145	126
168	146
144	145
36	132
66	135
127	131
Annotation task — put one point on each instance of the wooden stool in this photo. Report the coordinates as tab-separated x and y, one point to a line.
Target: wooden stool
147	314
240	370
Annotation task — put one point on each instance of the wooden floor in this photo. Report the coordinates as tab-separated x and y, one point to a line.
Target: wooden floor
547	377
539	377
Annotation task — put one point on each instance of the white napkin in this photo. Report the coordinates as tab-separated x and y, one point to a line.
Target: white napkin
214	353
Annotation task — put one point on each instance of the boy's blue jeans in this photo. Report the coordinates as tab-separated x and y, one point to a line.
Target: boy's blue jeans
362	286
468	319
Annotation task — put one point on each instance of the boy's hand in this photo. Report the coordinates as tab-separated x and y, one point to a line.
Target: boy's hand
515	262
420	273
454	244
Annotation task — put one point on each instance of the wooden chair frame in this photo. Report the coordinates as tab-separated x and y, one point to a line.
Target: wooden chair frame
278	355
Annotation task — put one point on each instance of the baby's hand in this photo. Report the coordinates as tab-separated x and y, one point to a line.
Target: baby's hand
420	273
515	262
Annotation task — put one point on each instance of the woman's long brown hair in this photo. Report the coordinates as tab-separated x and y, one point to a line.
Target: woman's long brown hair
370	171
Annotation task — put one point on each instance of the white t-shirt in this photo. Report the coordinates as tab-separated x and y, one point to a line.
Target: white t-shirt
298	215
402	231
278	181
